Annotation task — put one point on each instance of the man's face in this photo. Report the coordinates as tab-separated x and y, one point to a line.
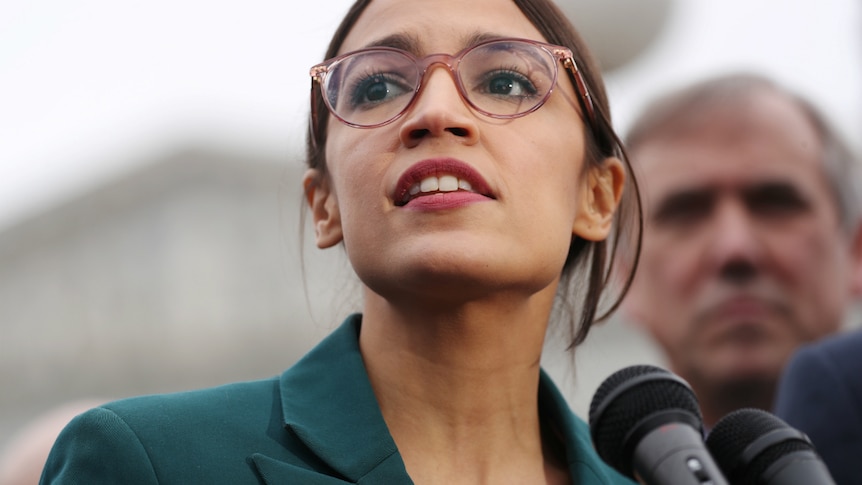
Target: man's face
744	257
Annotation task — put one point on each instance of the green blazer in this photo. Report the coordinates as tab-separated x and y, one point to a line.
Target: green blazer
319	423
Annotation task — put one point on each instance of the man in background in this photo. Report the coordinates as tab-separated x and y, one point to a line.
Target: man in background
751	242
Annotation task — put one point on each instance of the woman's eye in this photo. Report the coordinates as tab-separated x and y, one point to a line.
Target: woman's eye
508	83
376	89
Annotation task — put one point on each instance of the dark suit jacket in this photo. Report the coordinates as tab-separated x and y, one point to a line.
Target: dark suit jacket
319	423
820	394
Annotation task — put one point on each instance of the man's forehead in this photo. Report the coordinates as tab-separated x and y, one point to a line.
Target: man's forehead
692	161
763	120
737	160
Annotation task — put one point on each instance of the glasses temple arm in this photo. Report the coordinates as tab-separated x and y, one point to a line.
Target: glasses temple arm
583	91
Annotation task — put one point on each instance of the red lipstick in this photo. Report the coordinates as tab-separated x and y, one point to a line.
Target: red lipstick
440	183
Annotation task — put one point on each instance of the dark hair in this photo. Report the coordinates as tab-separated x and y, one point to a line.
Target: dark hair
681	107
595	258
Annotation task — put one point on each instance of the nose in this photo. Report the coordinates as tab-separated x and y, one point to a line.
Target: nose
439	110
735	249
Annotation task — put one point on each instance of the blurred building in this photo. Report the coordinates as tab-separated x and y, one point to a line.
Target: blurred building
184	273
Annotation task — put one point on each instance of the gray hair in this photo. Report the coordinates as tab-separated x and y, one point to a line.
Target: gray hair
670	110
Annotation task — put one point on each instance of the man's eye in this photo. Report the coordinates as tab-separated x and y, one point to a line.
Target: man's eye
779	199
683	210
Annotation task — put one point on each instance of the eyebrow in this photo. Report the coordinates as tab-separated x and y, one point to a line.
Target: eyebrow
405	42
479	37
750	193
683	198
412	44
785	191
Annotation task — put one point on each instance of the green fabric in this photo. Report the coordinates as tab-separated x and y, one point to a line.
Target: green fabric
319	423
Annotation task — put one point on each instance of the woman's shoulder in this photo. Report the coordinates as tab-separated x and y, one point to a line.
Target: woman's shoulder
200	435
227	410
225	399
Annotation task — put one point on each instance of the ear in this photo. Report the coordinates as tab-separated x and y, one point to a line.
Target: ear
856	261
324	208
599	200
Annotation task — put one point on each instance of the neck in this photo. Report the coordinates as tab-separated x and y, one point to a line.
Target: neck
458	388
717	401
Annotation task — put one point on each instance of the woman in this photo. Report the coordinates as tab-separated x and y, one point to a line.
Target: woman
466	198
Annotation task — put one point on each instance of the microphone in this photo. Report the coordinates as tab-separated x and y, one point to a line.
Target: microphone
646	423
755	447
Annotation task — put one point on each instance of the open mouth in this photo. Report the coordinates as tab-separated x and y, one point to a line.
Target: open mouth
439	177
434	185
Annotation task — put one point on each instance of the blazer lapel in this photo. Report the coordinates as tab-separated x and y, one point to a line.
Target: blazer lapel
328	405
275	472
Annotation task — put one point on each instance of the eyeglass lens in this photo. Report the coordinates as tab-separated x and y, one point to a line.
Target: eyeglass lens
501	79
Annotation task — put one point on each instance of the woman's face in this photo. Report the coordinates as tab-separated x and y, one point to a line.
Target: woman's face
509	230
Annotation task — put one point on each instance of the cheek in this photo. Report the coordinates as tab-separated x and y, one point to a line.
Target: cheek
552	197
811	254
356	175
816	263
547	172
672	264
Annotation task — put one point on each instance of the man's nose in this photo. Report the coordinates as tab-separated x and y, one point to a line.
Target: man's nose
735	247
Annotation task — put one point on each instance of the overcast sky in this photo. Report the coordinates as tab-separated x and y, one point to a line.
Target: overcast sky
90	88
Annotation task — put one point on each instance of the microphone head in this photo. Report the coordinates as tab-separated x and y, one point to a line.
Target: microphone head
634	401
746	442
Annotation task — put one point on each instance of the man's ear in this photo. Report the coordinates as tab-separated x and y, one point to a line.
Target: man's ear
324	208
599	199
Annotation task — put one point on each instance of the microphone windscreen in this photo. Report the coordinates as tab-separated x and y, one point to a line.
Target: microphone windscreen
628	396
730	441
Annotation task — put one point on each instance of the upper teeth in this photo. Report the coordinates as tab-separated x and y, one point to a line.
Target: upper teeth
445	183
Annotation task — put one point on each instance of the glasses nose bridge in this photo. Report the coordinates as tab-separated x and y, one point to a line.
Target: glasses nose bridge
450	62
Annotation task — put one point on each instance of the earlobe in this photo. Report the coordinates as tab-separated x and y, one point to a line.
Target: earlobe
603	188
323	203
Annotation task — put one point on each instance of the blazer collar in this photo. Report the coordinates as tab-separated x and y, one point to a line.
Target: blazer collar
328	404
584	463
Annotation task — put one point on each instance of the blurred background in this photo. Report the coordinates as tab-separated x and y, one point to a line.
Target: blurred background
150	155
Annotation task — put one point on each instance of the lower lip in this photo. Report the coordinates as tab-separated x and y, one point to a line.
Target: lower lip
444	200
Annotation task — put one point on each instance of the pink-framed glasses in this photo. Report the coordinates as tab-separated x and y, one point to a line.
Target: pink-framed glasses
500	78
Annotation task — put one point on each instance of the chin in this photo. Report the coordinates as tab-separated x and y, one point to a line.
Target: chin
751	369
